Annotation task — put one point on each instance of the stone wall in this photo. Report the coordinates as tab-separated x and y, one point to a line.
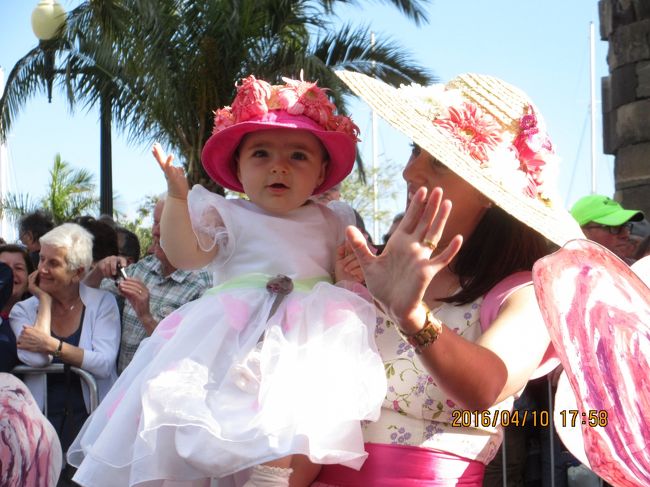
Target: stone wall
625	24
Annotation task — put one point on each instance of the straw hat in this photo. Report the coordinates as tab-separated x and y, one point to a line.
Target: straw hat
297	105
486	131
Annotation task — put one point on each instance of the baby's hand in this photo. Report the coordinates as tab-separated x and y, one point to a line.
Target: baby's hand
177	185
347	267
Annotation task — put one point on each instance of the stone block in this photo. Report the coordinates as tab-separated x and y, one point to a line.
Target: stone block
643	80
624	13
629	44
609	117
635	196
632	163
641	9
632	124
623	85
605	13
606	93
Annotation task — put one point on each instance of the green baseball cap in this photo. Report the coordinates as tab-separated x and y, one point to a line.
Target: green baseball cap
604	210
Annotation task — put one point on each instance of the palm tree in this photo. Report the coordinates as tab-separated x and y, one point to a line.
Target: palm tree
166	65
70	193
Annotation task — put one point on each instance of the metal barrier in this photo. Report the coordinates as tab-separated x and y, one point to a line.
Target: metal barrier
85	376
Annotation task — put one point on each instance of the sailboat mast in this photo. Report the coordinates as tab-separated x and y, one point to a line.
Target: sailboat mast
592	85
375	206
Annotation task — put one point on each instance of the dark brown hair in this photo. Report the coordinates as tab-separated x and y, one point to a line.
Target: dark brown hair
18	249
499	246
104	237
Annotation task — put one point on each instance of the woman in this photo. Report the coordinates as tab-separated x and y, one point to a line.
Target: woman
18	260
66	322
463	332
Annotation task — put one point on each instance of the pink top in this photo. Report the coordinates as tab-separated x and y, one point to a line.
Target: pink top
493	301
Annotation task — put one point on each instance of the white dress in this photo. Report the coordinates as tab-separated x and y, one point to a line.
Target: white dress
242	376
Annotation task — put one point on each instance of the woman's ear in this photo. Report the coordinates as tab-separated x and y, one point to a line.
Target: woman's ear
79	274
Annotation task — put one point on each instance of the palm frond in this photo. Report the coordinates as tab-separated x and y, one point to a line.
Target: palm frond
15	205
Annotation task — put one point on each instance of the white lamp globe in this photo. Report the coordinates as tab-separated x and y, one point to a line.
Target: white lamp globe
47	19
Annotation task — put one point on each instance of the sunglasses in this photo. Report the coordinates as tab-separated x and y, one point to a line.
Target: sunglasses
613	230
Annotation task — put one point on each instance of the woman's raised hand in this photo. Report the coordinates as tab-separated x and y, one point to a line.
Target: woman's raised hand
400	275
177	185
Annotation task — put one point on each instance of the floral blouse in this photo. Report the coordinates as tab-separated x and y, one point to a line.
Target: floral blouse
415	411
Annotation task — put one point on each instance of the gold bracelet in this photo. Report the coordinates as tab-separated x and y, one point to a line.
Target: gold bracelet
427	335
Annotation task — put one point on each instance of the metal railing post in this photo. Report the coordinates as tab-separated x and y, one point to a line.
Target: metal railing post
85	376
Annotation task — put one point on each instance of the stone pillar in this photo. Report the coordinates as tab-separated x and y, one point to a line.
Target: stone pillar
625	24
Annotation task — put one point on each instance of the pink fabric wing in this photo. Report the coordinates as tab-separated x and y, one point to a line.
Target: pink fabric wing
30	451
598	315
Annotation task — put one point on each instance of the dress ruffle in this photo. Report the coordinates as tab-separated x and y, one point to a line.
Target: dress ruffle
220	387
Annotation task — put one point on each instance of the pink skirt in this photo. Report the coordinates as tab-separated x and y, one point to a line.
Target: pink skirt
404	466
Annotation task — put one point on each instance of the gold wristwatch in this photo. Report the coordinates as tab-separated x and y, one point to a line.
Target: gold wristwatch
427	335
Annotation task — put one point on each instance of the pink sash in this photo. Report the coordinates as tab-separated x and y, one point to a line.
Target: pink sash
405	466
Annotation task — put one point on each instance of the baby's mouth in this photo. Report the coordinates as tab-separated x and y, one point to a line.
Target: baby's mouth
278	186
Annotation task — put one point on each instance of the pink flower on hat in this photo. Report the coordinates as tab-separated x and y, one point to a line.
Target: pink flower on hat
256	98
534	147
223	118
251	100
304	98
341	123
476	132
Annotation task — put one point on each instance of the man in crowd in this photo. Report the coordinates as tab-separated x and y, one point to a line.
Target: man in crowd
605	221
31	227
153	289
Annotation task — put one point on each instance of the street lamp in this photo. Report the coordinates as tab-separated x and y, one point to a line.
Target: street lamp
48	20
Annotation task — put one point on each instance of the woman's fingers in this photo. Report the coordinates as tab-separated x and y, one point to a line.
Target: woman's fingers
429	214
413	213
434	229
359	246
449	252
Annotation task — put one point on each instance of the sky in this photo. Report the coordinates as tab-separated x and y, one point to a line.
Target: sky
542	47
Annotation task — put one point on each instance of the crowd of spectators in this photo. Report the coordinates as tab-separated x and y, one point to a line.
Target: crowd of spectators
61	302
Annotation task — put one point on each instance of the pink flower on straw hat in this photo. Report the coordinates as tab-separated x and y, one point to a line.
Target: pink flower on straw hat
475	131
534	148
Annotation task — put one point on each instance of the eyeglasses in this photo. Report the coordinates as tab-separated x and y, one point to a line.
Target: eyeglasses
613	230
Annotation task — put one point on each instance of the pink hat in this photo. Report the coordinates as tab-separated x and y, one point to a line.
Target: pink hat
295	105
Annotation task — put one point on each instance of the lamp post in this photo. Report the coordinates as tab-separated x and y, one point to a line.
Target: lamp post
48	20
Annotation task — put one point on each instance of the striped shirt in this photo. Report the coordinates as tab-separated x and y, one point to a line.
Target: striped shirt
165	295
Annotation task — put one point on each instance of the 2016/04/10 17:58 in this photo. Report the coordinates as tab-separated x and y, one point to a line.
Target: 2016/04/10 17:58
486	418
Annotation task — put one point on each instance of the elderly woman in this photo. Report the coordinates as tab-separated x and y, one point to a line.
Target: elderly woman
463	332
66	322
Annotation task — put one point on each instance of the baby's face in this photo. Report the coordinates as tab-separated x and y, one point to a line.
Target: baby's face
280	168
